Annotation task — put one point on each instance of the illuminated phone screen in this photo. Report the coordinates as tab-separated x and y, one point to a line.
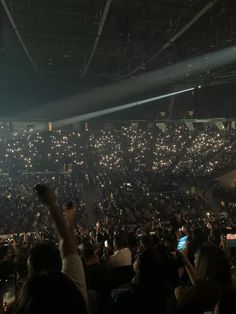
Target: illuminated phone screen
182	243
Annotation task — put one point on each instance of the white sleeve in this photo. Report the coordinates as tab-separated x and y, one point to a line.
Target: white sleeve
73	268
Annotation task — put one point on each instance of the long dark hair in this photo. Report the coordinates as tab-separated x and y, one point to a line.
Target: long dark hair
153	286
213	264
50	292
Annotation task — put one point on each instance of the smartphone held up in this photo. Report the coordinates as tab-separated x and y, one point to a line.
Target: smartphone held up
182	243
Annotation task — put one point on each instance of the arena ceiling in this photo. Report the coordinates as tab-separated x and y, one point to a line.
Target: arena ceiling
60	35
95	42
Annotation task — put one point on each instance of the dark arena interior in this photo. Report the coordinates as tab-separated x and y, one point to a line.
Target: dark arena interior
118	156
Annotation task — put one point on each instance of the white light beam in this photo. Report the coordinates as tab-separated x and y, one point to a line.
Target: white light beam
92	115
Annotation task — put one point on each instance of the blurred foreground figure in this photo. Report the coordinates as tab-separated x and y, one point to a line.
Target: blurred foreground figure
51	291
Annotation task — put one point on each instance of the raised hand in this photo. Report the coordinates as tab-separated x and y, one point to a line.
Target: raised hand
46	195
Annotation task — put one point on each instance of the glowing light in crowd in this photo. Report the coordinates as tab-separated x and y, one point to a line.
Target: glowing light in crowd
174	150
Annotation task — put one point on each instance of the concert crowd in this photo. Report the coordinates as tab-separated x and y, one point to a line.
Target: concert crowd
154	241
172	150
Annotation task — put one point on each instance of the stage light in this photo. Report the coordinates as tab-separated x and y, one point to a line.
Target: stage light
92	115
170	76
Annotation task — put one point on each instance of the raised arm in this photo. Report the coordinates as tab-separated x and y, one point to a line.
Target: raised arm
65	233
71	263
192	273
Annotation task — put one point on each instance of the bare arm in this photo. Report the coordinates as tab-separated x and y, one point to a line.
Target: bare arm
71	263
191	271
189	268
65	233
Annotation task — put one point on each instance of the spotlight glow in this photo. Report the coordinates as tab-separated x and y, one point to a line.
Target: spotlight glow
92	115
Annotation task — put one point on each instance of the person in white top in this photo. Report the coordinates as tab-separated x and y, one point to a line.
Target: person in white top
122	255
